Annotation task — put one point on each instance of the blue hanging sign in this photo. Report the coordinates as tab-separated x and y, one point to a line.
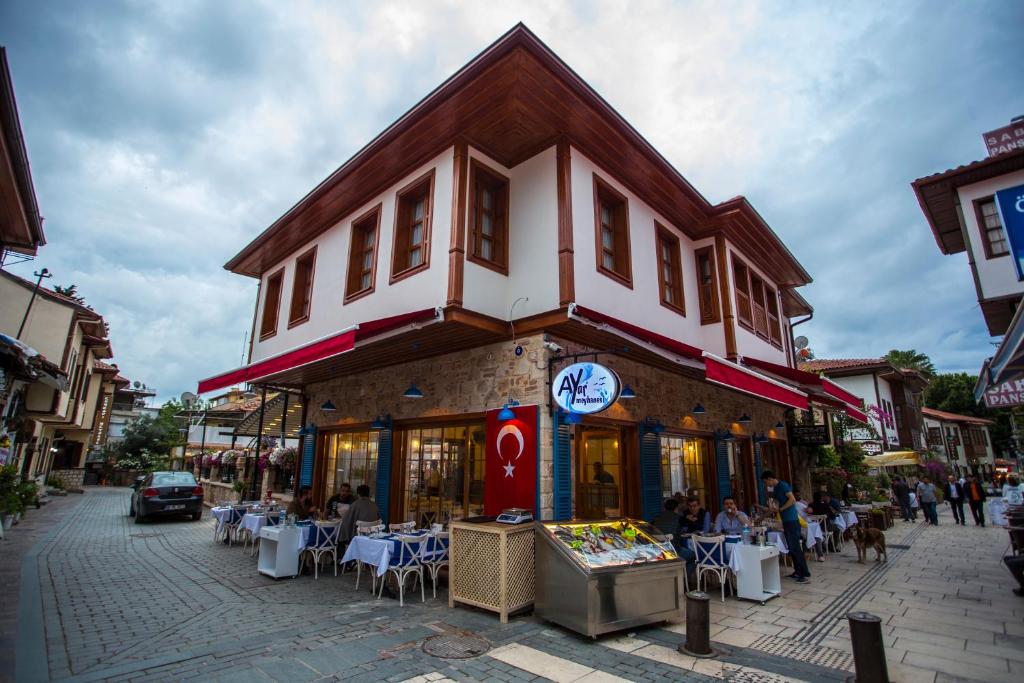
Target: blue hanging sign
1011	213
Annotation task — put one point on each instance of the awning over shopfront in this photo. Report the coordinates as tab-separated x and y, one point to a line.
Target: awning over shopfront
1007	364
820	390
716	370
892	459
319	350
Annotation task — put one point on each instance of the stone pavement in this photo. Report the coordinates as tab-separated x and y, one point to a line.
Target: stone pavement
102	598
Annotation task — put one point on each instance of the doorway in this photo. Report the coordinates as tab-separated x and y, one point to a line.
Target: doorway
741	474
442	473
599	473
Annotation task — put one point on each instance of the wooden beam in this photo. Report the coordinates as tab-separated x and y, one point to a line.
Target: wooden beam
728	318
563	177
457	249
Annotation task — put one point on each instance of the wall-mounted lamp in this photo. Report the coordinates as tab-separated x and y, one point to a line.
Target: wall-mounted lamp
328	406
724	435
654	425
627	392
413	392
380	423
506	414
779	425
698	409
761	438
744	419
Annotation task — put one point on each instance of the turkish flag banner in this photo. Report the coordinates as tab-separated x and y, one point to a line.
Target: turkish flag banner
511	461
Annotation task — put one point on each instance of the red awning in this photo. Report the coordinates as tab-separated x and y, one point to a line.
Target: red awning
640	333
837	396
833	389
855	414
320	349
721	371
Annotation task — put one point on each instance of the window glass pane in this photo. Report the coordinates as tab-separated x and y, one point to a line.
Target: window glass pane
371	235
364	281
487	199
607	239
415	257
608	261
606	215
416	235
368	260
486	226
485	249
417	211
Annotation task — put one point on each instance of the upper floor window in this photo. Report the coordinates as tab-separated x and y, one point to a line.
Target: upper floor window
611	223
670	272
271	304
488	212
992	235
302	288
362	255
757	304
411	250
707	285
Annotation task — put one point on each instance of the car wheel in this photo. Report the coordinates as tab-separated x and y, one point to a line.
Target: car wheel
131	510
196	516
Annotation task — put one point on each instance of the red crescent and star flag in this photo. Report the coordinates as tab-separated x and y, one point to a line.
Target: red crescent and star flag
510	470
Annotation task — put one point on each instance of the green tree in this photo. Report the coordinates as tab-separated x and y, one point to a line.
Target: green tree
913	360
149	441
953	392
71	291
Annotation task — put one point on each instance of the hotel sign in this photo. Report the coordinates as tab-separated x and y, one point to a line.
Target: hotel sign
1005	139
1005	395
585	388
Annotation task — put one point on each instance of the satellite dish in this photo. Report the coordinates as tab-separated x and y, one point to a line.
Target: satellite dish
188	398
800	342
137	384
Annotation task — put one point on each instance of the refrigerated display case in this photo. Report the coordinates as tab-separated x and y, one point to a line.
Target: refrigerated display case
609	575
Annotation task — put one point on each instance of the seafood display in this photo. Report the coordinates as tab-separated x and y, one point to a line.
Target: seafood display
610	543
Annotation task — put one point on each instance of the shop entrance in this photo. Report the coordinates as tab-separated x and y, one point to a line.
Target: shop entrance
741	474
685	469
599	473
442	473
775	458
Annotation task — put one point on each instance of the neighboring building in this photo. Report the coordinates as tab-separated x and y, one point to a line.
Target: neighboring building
962	440
893	398
510	219
58	421
129	402
21	226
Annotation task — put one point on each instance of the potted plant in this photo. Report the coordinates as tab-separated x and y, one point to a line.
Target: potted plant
239	487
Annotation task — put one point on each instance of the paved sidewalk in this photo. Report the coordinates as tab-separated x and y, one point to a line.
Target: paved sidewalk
161	601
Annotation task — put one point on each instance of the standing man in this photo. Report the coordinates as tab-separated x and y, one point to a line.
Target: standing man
902	493
974	492
955	497
929	501
783	495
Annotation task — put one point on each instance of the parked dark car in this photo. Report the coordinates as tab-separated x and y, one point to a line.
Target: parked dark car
166	493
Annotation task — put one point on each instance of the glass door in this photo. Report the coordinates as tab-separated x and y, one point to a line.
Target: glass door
684	467
740	475
443	476
598	474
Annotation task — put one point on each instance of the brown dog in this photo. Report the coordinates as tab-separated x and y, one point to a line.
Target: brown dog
869	538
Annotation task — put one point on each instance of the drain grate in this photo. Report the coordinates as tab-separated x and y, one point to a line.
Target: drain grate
897	546
456	646
148	535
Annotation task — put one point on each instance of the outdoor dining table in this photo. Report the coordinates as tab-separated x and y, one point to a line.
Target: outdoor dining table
225	515
814	534
377	551
731	558
845	520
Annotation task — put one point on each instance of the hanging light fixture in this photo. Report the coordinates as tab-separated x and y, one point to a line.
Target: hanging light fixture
779	425
698	409
328	406
506	414
761	438
727	436
413	392
379	423
627	392
744	419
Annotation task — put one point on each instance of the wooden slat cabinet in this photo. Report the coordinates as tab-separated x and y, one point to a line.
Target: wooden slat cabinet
490	566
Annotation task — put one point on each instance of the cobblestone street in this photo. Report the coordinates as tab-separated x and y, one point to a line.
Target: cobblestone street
102	598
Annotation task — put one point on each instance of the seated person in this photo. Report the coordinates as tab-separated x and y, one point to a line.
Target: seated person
362	510
730	520
667	521
695	520
343	497
822	505
833	503
302	504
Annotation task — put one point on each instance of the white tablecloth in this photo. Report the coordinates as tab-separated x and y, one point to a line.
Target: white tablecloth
375	552
253	523
845	520
731	558
997	512
813	534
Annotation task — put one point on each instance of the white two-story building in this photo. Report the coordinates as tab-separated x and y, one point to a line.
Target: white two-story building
509	221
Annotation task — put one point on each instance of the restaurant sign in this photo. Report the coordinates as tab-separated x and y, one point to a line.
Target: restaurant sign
585	388
871	447
809	435
1005	139
1005	395
1011	210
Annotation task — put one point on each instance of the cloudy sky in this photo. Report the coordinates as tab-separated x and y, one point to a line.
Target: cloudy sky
164	136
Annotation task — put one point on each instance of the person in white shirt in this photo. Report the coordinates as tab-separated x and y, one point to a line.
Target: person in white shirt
1013	491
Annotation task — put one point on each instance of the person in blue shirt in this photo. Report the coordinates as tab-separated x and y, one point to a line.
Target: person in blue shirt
783	495
730	520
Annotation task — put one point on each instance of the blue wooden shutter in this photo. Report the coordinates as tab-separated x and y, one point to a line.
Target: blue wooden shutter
385	450
762	491
562	469
650	473
308	455
722	470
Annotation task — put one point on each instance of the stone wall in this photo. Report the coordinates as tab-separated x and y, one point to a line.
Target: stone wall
72	479
480	379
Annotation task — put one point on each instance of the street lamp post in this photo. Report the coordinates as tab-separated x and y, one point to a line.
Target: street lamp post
44	273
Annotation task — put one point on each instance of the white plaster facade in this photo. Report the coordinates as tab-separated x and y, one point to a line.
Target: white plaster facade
997	276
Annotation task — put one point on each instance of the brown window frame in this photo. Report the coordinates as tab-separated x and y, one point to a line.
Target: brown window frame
500	184
710	311
665	238
266	333
758	305
771	300
309	256
620	252
980	218
748	322
422	185
360	227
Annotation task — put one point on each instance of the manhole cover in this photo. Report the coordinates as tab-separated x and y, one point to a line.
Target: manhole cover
455	646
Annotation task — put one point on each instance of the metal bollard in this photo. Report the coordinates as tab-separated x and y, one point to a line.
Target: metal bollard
868	648
698	626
